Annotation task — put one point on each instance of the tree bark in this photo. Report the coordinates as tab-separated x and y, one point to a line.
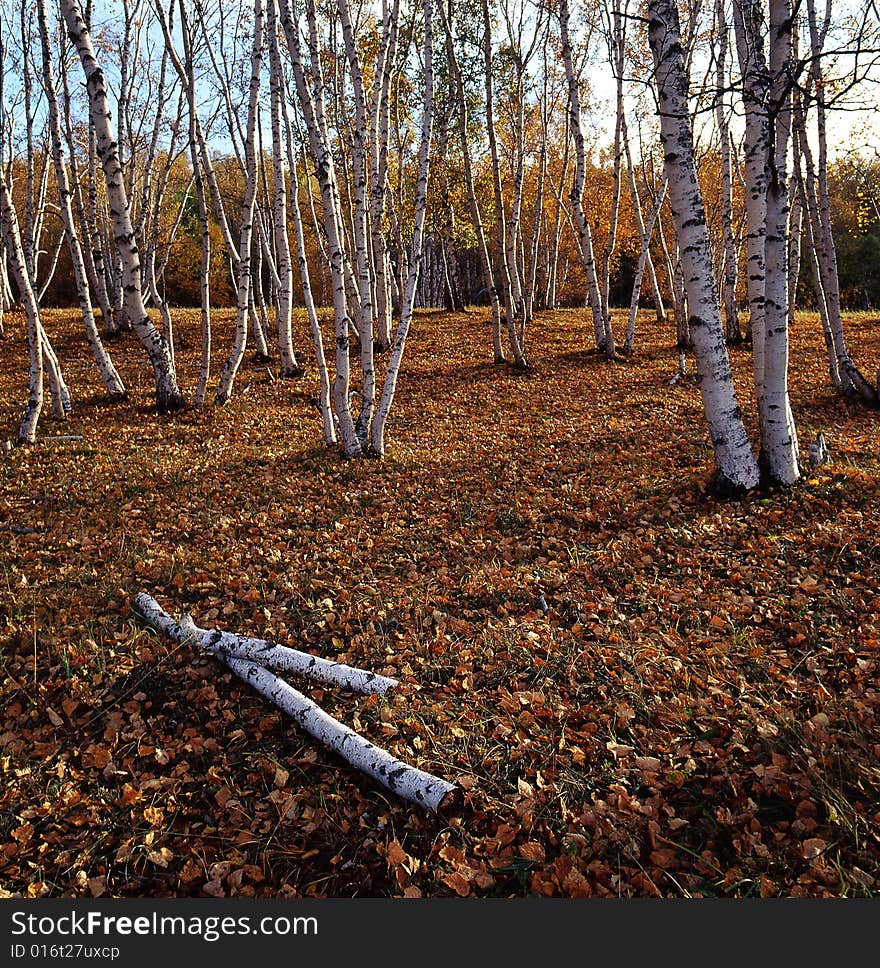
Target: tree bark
408	782
749	29
264	653
289	367
729	277
778	435
421	204
109	374
313	112
245	243
168	395
473	203
737	466
11	235
585	236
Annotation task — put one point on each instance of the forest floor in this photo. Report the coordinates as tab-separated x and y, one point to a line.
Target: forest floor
642	690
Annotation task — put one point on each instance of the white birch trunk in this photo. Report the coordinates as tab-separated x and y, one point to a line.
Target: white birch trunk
408	782
854	381
168	395
618	60
729	277
244	293
553	256
585	236
92	229
736	463
748	20
264	653
109	374
313	114
421	204
11	236
808	225
453	299
531	287
361	237
647	230
378	165
289	367
778	436
501	231
325	404
473	203
795	239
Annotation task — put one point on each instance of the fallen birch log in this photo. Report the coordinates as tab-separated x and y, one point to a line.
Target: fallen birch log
406	781
264	653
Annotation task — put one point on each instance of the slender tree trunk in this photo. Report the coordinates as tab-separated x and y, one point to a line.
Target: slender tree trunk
778	436
750	32
378	141
289	365
168	395
94	261
245	244
644	262
827	250
58	391
114	321
361	238
325	404
112	381
736	463
730	262
421	204
501	230
313	115
838	379
11	236
473	202
795	237
550	300
585	237
454	301
617	50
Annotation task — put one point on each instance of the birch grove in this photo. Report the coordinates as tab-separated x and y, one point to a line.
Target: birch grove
359	162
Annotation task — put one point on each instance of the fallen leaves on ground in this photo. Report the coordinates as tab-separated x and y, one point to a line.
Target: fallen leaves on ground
641	690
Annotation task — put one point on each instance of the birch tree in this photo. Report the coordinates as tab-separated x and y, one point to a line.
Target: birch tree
360	150
817	204
289	365
731	260
246	232
778	435
11	236
168	395
604	344
510	288
766	90
325	404
489	277
109	374
377	434
311	101
737	465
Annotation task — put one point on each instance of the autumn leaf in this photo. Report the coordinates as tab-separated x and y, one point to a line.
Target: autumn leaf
458	883
813	847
